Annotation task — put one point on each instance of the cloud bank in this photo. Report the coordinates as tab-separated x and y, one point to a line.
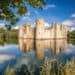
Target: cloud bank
68	22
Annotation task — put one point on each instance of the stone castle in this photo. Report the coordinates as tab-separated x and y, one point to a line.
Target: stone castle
40	31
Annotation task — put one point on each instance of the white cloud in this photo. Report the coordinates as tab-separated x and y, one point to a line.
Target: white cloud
73	15
72	28
68	22
2	25
46	24
49	6
16	27
25	17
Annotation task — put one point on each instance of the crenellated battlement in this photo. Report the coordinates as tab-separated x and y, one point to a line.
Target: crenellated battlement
40	31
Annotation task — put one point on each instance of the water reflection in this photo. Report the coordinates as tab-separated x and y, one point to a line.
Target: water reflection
26	45
8	41
40	46
34	53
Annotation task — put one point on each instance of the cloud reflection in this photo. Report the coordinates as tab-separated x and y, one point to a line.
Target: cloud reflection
5	57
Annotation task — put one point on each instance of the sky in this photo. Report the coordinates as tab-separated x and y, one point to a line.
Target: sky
61	11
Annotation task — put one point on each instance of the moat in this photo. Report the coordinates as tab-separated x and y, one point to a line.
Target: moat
29	54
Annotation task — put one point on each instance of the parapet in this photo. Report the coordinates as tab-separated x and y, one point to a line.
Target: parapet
40	22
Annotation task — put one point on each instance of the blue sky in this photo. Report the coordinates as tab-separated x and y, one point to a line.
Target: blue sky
61	11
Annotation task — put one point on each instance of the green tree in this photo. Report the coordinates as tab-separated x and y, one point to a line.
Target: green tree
71	34
6	7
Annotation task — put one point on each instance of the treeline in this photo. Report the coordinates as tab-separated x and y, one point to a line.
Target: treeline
8	33
14	34
71	34
8	36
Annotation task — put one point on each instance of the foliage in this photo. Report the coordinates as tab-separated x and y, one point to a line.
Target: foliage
9	36
72	41
7	6
71	34
1	30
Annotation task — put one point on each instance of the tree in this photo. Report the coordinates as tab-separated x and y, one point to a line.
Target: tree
6	7
8	27
71	34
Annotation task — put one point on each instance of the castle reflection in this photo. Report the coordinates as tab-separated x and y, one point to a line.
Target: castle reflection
26	45
56	46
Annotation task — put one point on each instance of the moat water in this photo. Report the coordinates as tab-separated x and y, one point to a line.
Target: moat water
27	53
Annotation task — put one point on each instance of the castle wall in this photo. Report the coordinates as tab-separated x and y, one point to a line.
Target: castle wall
47	34
26	31
40	26
21	32
59	32
40	31
64	31
52	33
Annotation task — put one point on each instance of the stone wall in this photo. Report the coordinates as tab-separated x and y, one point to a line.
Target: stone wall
26	31
40	31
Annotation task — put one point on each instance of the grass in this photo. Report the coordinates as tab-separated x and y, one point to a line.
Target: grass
49	67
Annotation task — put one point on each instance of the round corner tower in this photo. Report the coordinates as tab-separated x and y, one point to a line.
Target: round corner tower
40	26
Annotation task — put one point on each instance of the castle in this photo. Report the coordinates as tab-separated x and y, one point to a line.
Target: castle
40	31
